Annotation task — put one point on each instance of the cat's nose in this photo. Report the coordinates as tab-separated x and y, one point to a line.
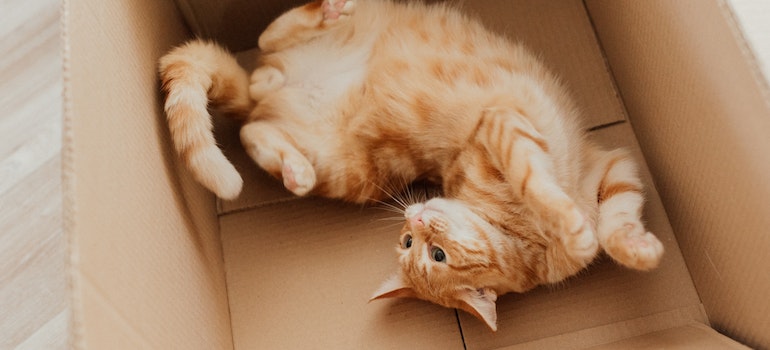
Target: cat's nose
416	221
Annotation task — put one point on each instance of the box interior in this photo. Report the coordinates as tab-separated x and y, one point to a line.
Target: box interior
158	262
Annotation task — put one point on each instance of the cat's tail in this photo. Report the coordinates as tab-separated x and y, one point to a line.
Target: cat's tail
194	76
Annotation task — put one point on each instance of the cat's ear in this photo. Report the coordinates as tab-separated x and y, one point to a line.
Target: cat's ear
394	287
480	303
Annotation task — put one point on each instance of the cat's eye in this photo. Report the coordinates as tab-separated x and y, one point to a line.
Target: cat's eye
407	242
437	254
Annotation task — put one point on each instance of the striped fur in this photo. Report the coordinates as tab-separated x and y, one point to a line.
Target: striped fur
356	99
195	75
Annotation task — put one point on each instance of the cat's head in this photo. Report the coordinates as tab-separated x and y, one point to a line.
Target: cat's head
447	256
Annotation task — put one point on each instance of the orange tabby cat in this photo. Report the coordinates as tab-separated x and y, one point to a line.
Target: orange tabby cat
354	96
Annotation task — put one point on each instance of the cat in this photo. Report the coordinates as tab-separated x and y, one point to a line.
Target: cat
352	97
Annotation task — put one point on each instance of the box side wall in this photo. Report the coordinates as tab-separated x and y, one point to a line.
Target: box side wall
235	24
146	262
697	106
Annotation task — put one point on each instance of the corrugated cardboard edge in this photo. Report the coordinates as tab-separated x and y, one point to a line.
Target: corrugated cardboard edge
746	49
69	208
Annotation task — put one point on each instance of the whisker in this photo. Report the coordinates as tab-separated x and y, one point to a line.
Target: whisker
392	225
390	194
383	205
390	207
391	219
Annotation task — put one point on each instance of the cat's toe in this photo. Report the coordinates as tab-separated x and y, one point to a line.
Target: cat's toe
334	10
633	247
298	178
648	251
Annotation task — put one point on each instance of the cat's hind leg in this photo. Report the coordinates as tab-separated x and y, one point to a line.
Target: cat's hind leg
304	23
521	153
274	151
619	194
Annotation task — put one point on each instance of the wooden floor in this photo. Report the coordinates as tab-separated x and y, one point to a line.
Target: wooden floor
33	285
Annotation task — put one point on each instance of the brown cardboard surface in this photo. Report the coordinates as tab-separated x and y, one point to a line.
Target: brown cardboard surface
145	256
610	333
604	294
559	33
696	105
694	336
300	274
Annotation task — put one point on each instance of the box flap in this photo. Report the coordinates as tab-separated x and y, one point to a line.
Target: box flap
236	24
703	120
145	258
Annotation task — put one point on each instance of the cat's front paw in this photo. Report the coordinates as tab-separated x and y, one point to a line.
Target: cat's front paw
298	177
633	247
334	10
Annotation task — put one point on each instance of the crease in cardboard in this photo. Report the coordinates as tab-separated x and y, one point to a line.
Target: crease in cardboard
716	270
608	71
258	205
107	305
226	274
460	329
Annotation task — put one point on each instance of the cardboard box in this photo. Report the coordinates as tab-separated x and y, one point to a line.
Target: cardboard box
157	263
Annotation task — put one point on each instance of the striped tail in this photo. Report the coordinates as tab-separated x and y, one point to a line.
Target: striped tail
194	75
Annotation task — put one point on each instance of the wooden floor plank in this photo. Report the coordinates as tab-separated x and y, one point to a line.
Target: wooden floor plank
34	309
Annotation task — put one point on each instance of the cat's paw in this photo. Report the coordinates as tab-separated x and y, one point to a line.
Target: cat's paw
298	176
633	247
580	238
265	80
335	10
